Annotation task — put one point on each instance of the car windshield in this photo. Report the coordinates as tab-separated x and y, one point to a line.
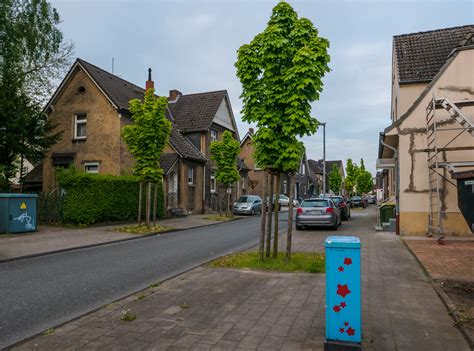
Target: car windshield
315	203
356	198
246	199
337	200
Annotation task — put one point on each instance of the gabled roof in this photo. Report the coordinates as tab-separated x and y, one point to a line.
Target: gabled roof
421	55
35	175
241	165
183	146
315	167
195	112
167	160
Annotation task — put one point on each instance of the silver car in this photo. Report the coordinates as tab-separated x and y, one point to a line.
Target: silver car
248	204
318	212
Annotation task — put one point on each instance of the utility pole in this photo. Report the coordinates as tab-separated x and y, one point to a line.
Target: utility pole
324	156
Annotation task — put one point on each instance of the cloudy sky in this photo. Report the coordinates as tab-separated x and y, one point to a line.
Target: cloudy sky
191	46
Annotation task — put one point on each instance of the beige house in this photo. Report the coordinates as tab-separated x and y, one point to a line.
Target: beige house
90	107
427	153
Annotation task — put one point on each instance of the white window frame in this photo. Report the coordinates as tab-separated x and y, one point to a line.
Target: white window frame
91	164
213	186
81	121
214	135
191	178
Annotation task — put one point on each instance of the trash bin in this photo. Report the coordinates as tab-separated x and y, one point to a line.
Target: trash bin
343	297
18	213
387	212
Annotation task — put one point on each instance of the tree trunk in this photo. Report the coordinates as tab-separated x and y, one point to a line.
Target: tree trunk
277	200
228	203
148	203
269	215
219	200
155	200
290	218
140	204
263	213
21	172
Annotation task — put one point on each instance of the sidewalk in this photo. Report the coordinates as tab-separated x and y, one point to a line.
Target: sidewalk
225	309
53	238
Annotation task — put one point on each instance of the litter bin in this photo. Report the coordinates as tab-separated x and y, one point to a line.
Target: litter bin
387	212
343	297
18	213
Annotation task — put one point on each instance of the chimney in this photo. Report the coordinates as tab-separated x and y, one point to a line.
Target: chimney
149	83
251	131
174	95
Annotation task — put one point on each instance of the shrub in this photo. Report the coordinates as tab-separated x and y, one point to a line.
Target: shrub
91	198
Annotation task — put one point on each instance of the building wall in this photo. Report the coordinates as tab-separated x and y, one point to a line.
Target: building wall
456	83
255	175
102	144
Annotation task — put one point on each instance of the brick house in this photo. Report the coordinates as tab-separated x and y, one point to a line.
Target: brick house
304	180
91	106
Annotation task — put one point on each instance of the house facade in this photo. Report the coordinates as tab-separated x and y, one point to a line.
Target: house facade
90	107
427	152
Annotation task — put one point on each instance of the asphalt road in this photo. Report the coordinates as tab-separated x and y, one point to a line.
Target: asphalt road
42	292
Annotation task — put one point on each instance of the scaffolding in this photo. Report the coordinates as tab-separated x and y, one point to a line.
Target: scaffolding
456	122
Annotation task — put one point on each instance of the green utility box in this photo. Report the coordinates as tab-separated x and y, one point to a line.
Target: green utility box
387	212
18	213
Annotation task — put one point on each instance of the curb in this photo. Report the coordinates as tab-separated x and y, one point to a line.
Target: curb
39	254
450	307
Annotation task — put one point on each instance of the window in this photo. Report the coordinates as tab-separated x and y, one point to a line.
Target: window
213	183
91	167
190	175
80	122
214	135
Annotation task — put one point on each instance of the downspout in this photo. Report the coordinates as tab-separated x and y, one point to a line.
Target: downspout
397	182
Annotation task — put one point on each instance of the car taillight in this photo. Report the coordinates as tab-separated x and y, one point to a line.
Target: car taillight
329	210
342	204
299	210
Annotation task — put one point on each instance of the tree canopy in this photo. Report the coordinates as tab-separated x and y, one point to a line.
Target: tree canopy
335	179
148	135
281	72
351	176
224	154
364	182
33	56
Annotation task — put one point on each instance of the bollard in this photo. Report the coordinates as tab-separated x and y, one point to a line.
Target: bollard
343	299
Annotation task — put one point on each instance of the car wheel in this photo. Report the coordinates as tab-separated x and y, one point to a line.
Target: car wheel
252	213
298	227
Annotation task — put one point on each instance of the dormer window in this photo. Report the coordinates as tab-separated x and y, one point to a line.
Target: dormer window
214	135
81	90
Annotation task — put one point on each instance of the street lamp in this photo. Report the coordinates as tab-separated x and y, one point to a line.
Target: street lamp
324	156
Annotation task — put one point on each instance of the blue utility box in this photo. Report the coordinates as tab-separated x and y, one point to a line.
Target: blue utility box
343	298
18	213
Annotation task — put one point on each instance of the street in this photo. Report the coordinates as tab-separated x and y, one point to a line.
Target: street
38	293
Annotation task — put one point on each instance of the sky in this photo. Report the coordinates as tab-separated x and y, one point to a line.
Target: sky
191	46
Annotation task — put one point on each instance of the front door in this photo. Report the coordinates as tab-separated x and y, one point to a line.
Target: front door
173	190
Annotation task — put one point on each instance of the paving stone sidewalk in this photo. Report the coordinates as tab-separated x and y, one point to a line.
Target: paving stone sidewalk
226	309
54	238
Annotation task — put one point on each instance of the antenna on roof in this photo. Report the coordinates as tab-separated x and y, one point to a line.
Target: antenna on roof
112	65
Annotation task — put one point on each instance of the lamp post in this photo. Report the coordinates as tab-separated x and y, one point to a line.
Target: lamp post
324	156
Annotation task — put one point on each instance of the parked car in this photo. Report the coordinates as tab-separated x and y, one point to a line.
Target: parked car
248	204
285	201
371	199
343	206
358	201
318	212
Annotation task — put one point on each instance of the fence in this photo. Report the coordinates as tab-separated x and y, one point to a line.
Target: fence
50	207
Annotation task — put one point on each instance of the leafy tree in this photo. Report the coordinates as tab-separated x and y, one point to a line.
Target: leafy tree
146	139
33	56
335	179
281	72
224	154
351	176
364	183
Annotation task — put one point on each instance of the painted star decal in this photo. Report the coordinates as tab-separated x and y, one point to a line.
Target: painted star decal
346	324
343	290
348	261
350	331
336	308
341	269
341	330
342	304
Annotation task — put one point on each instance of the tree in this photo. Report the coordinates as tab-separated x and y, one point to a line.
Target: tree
351	176
335	179
281	72
146	139
224	154
364	183
33	56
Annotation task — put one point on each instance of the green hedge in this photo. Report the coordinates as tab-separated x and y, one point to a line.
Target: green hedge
91	198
